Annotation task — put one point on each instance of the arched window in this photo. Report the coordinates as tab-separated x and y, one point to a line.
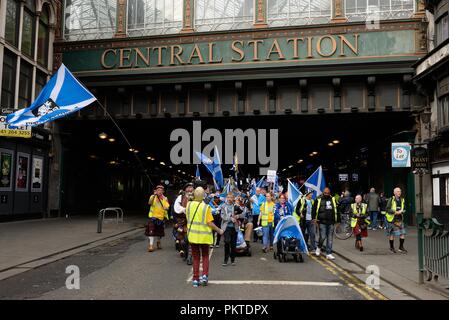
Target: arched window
43	37
298	12
28	28
362	10
223	14
12	22
89	19
148	17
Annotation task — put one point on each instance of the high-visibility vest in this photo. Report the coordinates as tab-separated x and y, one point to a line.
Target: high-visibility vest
158	209
390	216
319	204
265	211
198	231
301	208
354	211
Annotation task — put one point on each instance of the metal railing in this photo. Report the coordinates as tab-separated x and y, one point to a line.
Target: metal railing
433	249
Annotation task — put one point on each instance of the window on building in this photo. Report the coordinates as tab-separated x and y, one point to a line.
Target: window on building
89	19
298	12
41	80
43	37
442	28
148	17
443	111
361	10
8	79
223	14
12	22
25	84
28	27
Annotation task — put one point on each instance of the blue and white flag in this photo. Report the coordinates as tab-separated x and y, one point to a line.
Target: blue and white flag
197	173
62	95
214	167
293	194
316	182
276	185
288	227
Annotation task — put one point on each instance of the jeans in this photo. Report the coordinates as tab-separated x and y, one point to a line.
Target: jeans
230	239
268	236
310	227
373	215
200	251
326	232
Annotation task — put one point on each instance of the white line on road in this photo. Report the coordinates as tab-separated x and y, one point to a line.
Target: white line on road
189	278
274	282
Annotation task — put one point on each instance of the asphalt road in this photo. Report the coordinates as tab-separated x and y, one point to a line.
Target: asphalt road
123	269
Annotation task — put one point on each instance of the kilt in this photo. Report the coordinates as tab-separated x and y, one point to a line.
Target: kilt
394	230
156	228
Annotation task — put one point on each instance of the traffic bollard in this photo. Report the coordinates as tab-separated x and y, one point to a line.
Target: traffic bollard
100	222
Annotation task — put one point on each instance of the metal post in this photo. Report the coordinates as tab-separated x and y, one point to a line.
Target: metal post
419	220
100	222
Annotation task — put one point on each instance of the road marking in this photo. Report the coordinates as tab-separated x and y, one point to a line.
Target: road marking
278	282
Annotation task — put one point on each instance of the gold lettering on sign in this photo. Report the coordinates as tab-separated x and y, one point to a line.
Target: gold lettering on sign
145	58
255	44
344	41
295	46
125	57
238	50
333	43
175	54
196	53
275	49
309	47
211	54
159	54
103	58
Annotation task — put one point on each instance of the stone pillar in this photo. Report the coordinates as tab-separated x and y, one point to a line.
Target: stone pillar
420	9
120	31
338	11
188	16
260	14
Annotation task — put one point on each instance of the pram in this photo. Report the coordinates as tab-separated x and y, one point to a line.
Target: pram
288	239
242	249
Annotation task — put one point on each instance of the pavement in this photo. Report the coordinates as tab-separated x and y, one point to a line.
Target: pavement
34	255
397	270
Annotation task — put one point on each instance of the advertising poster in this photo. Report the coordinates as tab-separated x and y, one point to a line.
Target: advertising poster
37	171
22	173
6	166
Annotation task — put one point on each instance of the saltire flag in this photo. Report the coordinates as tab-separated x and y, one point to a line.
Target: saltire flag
214	167
197	173
61	96
293	194
288	227
257	185
276	184
316	182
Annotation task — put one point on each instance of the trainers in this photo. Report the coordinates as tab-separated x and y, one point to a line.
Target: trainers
217	246
265	250
225	264
195	283
318	252
392	250
330	257
402	250
233	263
204	280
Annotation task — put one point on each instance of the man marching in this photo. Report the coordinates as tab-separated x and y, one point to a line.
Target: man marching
395	220
158	213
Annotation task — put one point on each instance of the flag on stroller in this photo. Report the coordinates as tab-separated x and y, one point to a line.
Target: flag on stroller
288	227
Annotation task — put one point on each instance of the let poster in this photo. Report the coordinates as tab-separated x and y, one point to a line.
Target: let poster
6	166
22	172
36	182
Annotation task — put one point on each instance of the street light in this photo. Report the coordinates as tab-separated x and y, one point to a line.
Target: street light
103	135
336	141
111	139
330	144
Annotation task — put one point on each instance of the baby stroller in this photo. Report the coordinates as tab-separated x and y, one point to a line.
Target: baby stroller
242	249
288	239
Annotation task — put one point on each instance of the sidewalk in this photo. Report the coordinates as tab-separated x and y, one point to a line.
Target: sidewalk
30	243
396	270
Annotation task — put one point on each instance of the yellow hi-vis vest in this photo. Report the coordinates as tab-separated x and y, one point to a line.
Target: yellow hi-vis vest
319	204
390	216
354	211
159	209
265	211
301	208
198	231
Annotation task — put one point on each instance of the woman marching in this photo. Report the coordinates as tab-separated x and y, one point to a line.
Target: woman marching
282	209
359	221
266	219
158	213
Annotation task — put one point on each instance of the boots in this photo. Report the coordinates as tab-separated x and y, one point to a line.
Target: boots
150	248
159	245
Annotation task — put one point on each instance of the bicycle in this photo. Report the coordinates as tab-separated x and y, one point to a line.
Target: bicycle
343	230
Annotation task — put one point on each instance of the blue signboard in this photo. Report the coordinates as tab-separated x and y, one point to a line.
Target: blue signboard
400	154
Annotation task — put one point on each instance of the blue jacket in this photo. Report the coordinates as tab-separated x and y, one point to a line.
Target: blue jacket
278	212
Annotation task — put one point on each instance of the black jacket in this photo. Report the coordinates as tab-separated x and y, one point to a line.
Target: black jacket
325	216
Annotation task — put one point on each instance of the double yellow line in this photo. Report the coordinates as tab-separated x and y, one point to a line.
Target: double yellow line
350	280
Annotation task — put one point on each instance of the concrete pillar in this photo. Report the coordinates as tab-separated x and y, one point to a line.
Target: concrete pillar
188	16
260	14
420	10
120	30
338	11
